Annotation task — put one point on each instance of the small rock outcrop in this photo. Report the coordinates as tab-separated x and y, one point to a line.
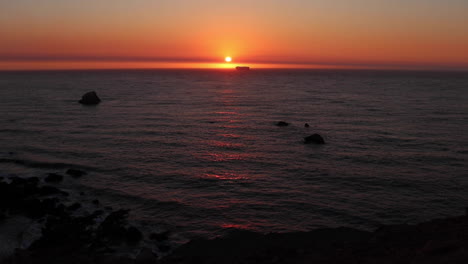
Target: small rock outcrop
160	236
282	124
74	207
75	173
146	256
90	98
53	177
315	138
306	125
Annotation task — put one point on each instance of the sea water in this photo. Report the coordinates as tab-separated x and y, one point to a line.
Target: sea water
197	152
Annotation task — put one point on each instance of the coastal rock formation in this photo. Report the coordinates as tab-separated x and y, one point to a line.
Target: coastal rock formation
146	256
306	125
160	236
315	138
66	237
75	173
433	242
90	98
282	124
53	177
94	237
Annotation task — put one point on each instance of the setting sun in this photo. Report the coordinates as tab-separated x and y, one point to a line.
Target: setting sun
228	59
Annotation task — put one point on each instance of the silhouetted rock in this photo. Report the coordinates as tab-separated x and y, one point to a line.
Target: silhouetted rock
75	173
113	226
48	190
74	207
315	138
164	248
282	124
133	235
66	238
53	177
95	202
437	241
160	236
90	98
146	256
306	125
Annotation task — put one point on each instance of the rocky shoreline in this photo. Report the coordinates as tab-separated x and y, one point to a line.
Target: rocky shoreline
436	241
64	231
67	234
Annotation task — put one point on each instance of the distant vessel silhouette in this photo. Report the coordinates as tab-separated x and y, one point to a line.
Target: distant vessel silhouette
242	68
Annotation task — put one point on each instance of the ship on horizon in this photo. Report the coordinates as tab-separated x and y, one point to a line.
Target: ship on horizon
242	68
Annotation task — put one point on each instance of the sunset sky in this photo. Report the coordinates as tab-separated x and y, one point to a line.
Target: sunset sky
65	34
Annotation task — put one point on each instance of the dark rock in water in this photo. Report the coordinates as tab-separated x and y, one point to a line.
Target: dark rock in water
282	124
36	208
160	236
164	248
74	207
110	258
90	98
146	256
315	138
66	237
133	235
96	202
33	181
75	173
113	227
306	125
48	190
98	212
53	177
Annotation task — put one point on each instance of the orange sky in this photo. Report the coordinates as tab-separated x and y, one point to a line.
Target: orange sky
56	34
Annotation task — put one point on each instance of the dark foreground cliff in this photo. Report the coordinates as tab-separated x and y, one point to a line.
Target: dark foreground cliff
437	241
102	235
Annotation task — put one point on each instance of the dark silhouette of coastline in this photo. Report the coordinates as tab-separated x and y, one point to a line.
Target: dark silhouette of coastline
69	238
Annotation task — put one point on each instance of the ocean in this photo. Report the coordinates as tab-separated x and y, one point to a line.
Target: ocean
197	152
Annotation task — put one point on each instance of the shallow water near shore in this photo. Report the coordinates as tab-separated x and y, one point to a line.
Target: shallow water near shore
198	152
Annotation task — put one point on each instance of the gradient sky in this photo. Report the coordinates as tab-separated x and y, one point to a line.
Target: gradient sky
426	34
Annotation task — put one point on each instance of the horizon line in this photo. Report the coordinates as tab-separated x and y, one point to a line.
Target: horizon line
258	60
234	69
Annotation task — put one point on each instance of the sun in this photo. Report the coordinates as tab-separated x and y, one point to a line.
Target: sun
228	59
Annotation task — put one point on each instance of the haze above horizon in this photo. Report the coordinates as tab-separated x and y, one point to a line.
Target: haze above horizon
376	34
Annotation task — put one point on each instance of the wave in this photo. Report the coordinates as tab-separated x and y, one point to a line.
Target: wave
43	165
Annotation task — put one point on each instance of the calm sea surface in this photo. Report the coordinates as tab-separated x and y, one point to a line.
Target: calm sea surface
198	152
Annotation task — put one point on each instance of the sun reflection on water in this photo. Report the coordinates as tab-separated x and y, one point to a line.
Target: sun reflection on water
226	176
